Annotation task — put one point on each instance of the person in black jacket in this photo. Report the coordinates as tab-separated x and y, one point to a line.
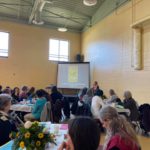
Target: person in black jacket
6	125
57	104
131	104
55	95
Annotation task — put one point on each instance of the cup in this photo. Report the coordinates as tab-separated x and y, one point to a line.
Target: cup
56	129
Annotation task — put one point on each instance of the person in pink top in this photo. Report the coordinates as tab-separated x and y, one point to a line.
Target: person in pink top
120	135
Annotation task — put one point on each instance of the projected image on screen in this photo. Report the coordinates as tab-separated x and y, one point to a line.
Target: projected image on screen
73	75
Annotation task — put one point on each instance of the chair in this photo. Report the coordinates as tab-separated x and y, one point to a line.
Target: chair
57	110
47	114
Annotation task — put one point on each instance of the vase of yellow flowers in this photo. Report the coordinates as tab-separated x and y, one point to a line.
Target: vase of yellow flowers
32	136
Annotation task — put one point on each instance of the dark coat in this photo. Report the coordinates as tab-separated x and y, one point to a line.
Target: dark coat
6	127
132	106
145	117
55	96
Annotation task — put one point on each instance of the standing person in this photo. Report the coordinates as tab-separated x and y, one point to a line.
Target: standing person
120	134
97	103
55	94
131	104
6	124
57	104
84	134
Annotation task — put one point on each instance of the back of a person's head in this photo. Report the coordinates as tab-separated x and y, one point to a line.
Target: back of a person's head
112	92
84	90
4	100
40	93
54	89
127	95
89	92
99	93
84	133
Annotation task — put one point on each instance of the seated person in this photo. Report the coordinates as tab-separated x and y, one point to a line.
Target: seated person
23	94
131	104
7	90
95	87
1	89
113	97
31	93
97	103
15	94
120	134
87	98
84	134
38	107
81	93
6	124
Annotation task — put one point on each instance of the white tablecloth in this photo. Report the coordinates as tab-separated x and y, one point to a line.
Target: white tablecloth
59	130
22	107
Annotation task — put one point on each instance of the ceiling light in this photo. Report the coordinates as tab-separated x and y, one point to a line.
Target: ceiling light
89	2
62	29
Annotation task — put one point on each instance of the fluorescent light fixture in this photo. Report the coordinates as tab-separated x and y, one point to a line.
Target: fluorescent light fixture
62	29
89	2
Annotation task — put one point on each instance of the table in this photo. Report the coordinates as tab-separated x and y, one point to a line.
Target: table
22	107
120	109
123	110
62	129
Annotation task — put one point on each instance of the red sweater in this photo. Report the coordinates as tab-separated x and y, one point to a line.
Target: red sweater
122	144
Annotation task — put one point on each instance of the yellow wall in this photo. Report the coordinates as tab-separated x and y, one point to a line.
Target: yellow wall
108	46
28	63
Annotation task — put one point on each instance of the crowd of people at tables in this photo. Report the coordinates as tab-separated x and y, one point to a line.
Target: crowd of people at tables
84	132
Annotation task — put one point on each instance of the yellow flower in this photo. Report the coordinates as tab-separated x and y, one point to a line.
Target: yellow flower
40	135
21	144
27	135
52	136
36	123
38	143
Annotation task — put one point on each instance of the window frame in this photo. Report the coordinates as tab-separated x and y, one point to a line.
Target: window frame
8	43
59	39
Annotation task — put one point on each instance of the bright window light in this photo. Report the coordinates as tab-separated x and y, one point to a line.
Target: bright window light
4	40
58	50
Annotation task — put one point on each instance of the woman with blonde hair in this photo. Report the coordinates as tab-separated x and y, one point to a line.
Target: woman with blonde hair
120	135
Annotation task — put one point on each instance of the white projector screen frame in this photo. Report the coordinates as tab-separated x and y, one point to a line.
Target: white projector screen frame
73	75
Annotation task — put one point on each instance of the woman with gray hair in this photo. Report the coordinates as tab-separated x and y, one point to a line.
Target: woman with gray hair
120	135
6	126
130	103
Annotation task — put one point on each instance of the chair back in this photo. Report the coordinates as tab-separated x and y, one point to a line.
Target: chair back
47	114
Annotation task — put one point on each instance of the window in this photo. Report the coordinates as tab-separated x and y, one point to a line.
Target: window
58	50
4	38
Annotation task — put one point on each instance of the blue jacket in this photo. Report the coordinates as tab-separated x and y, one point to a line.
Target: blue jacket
38	107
